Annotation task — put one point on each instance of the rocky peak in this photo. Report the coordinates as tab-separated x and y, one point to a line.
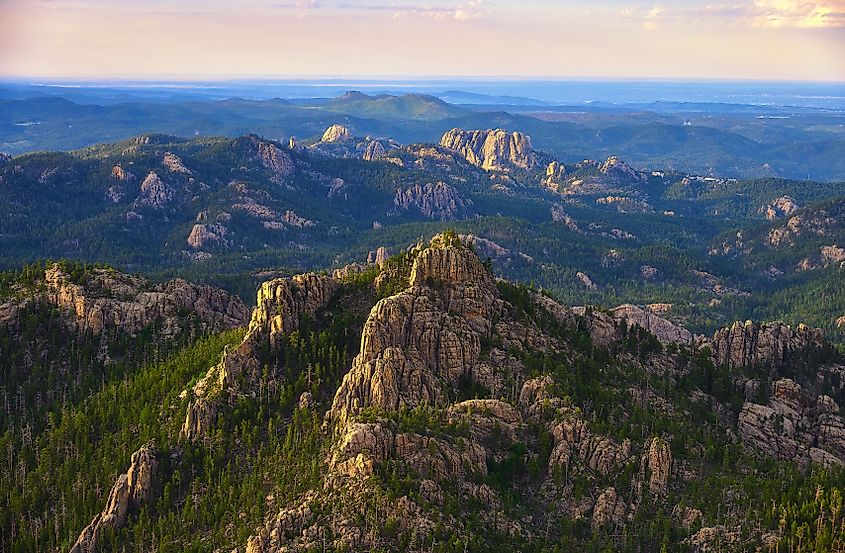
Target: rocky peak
155	192
336	133
617	169
273	158
749	344
281	302
448	261
173	163
438	201
495	150
110	299
419	343
375	151
121	174
779	207
279	307
133	490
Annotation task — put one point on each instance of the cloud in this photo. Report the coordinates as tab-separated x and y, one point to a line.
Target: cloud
799	13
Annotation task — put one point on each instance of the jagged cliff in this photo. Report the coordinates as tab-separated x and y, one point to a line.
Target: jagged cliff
437	201
109	299
494	150
132	491
472	407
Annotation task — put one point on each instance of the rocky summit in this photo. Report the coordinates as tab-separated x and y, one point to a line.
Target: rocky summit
496	150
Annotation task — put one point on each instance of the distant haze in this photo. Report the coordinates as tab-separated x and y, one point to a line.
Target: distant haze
746	39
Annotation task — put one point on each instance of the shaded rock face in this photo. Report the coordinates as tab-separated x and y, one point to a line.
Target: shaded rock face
561	216
133	490
277	161
493	150
336	133
610	510
664	330
155	192
658	461
375	151
437	201
115	300
749	344
793	425
203	235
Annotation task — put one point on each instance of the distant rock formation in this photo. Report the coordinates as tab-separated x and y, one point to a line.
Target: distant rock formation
620	171
794	425
336	133
291	218
493	150
663	330
779	207
277	161
121	174
750	344
438	201
204	235
155	192
133	490
375	151
116	300
173	163
561	216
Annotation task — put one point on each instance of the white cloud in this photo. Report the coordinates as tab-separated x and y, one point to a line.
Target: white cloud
799	13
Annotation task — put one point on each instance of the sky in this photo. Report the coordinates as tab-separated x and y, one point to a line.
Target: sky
212	39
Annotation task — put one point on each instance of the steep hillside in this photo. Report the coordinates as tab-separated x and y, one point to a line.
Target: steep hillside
422	404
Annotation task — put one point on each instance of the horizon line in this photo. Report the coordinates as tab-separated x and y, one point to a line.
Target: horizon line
313	78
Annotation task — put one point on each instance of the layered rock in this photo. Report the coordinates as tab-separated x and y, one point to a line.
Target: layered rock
336	133
793	425
277	161
749	344
155	192
114	300
658	463
375	151
280	305
173	163
438	201
493	150
779	207
663	329
133	490
203	235
420	342
616	169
